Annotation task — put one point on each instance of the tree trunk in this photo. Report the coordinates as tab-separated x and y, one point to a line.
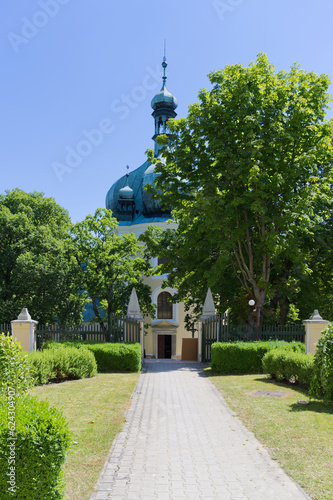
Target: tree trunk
284	310
257	315
96	311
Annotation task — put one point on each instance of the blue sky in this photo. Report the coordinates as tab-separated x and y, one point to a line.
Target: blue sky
79	75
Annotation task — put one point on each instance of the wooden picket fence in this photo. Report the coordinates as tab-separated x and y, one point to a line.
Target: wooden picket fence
5	328
217	329
122	329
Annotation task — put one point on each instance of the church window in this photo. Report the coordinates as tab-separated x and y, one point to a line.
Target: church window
163	260
164	306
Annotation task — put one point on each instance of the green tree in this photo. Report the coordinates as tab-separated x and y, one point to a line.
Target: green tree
110	265
37	269
316	288
248	175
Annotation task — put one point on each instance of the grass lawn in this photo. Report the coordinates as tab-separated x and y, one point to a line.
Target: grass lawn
94	409
299	437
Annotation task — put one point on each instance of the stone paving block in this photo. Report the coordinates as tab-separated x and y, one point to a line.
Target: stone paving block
133	495
163	496
101	495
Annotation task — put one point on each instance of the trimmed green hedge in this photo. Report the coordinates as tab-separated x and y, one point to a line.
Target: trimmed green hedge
14	366
31	464
110	357
246	357
61	363
289	366
322	380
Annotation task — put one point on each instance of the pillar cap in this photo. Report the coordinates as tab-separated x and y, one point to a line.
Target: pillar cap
24	317
315	318
209	306
133	309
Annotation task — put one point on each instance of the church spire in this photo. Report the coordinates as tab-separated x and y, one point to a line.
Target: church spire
164	105
164	65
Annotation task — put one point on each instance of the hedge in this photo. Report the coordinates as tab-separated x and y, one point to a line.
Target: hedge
61	363
289	366
246	357
33	448
322	380
14	366
110	357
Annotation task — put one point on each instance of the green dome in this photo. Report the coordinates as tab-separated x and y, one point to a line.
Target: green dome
126	193
164	98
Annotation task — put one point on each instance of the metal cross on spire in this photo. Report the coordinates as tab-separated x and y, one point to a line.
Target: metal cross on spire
164	63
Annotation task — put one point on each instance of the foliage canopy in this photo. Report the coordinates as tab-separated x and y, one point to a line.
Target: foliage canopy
249	176
37	269
110	265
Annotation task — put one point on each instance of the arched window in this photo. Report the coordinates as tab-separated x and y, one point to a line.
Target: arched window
164	306
162	260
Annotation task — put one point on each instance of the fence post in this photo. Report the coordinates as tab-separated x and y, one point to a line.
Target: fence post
23	330
208	311
313	329
134	311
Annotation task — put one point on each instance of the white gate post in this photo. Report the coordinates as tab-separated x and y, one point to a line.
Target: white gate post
134	311
313	329
23	330
207	312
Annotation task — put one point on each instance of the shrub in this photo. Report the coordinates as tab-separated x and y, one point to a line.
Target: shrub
246	357
110	357
117	357
288	366
322	380
33	452
14	367
42	367
62	363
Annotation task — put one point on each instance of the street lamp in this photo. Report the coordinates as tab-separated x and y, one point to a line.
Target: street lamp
256	310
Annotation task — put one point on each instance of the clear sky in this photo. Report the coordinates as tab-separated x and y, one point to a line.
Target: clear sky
78	76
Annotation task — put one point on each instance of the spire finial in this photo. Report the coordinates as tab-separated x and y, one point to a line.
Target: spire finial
127	174
164	64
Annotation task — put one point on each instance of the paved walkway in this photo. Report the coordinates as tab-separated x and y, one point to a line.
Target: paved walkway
181	441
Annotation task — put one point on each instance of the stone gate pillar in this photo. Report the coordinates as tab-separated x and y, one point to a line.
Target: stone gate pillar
313	329
23	330
134	311
207	312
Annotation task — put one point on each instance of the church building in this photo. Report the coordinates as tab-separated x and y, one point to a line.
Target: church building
135	210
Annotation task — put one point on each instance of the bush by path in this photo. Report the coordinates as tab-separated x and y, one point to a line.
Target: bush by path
286	366
14	366
322	380
62	363
110	357
33	448
246	357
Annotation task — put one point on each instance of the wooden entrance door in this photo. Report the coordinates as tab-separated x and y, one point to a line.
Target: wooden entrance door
190	350
164	347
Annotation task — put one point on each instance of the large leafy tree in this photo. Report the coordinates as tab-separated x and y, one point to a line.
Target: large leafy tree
248	175
37	269
110	265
